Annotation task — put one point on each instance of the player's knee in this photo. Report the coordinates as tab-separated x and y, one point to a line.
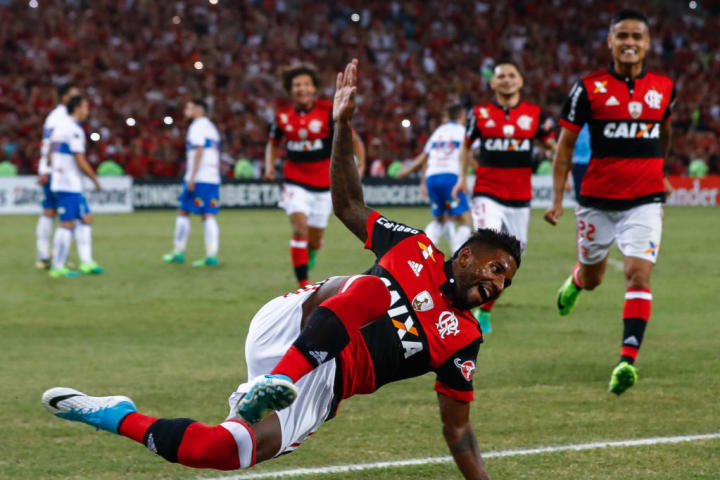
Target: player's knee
637	279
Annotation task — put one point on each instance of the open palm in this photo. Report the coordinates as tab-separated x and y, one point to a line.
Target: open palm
345	88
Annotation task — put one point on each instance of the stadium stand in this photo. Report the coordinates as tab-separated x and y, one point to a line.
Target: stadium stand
141	60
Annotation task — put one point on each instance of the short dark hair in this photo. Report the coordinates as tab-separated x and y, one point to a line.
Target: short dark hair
454	111
64	89
200	103
74	102
290	73
508	61
628	14
494	238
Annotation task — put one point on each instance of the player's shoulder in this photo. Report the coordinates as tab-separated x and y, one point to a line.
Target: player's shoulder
596	75
659	77
529	106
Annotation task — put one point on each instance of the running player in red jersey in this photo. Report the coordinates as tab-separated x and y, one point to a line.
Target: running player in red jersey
326	342
307	128
507	128
628	112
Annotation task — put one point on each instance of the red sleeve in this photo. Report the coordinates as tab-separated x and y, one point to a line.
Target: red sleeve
459	395
570	126
369	226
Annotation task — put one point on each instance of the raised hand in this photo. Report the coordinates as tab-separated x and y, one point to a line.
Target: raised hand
345	88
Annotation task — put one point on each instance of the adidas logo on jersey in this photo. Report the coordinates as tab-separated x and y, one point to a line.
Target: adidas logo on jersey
320	356
612	102
631	130
631	341
415	267
490	123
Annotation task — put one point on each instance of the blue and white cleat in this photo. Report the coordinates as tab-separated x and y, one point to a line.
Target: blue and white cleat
268	393
103	413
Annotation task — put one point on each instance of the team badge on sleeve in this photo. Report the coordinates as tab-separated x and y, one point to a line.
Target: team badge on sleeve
467	368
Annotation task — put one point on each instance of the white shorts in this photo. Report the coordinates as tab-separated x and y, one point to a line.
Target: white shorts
636	232
272	331
316	206
487	213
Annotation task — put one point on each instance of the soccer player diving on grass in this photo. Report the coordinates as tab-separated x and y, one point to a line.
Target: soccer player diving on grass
309	350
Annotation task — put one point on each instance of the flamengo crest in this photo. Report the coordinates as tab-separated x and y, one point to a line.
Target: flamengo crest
447	324
653	98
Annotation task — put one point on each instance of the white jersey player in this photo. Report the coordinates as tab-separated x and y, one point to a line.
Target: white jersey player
49	204
67	156
201	186
441	161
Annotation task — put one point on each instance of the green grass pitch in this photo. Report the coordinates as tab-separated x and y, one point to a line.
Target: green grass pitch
171	337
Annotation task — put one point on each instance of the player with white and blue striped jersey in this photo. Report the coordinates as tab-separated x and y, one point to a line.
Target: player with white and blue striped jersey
49	204
67	158
441	161
201	186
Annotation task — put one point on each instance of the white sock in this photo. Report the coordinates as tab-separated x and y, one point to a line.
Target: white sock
212	236
244	442
61	246
182	232
449	231
434	231
83	240
42	234
461	235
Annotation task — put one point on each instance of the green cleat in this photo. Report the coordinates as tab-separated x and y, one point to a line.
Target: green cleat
91	268
623	377
206	262
483	319
567	296
174	257
63	272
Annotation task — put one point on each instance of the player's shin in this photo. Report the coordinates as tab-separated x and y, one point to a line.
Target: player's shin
636	315
361	300
83	240
43	230
228	446
61	246
300	259
434	230
462	233
182	232
212	237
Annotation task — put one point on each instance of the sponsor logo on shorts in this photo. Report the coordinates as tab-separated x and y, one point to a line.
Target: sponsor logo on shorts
198	202
653	249
467	368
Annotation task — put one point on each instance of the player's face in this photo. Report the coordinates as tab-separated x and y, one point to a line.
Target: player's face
481	276
189	110
629	40
84	109
302	90
506	80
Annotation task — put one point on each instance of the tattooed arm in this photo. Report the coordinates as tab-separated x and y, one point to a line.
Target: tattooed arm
460	438
345	188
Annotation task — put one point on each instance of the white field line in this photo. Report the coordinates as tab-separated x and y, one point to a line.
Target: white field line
298	472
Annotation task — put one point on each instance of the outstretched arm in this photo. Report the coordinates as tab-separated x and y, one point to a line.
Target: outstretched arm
345	188
460	438
561	166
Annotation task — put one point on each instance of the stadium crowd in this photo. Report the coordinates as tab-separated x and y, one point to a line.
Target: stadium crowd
140	60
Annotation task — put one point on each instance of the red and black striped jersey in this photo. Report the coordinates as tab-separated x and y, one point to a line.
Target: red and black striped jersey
624	116
308	140
506	145
422	331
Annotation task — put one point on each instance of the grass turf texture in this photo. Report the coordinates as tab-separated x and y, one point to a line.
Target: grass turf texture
171	337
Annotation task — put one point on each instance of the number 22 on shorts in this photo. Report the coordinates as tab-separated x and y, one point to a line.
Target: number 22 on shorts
586	231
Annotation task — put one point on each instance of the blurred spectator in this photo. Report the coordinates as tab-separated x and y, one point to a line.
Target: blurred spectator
139	61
